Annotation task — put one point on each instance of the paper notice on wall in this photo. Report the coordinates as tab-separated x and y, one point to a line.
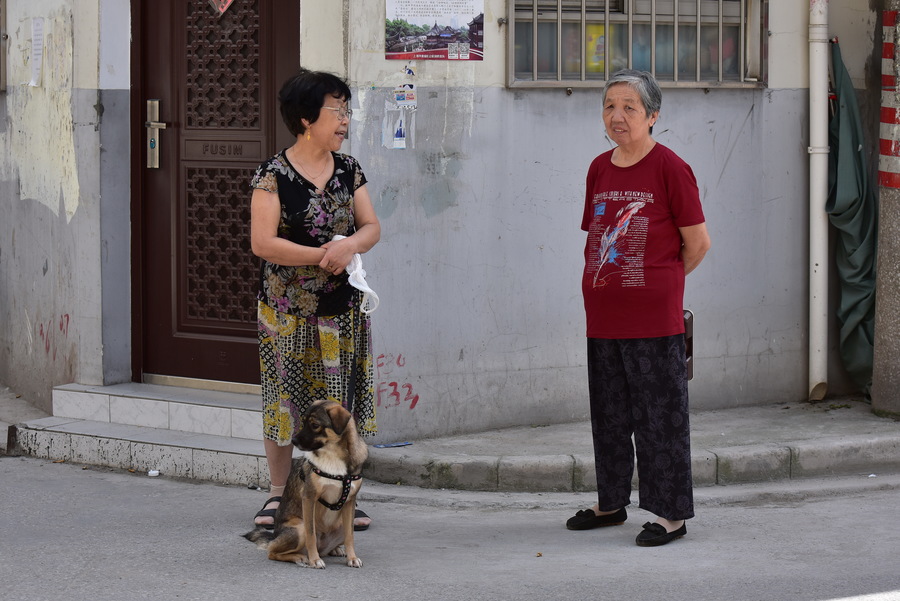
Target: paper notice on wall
399	125
405	95
37	50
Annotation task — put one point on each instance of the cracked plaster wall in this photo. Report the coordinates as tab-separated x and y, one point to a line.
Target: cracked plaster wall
50	308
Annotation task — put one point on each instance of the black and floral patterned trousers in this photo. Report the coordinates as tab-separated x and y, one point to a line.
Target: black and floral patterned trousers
639	386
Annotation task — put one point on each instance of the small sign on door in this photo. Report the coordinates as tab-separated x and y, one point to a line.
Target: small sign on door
221	5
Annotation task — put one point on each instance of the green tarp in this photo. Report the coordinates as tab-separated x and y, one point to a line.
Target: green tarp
853	209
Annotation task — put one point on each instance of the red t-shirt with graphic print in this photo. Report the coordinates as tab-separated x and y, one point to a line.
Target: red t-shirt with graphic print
633	281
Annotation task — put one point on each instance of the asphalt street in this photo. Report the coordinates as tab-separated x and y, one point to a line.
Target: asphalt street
69	532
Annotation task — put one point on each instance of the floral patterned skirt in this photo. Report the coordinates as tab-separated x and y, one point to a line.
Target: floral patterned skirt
305	359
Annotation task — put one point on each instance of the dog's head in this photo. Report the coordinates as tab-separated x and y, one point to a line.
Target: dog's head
324	422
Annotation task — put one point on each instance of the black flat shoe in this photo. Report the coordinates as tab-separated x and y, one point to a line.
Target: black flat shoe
587	519
654	535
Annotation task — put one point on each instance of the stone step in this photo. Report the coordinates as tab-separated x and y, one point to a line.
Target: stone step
180	432
173	453
217	413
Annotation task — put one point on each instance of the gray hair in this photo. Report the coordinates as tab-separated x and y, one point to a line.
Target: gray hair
641	82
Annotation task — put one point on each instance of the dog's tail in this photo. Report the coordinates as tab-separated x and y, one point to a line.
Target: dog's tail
261	536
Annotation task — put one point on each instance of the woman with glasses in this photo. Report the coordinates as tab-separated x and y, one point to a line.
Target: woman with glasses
314	339
645	232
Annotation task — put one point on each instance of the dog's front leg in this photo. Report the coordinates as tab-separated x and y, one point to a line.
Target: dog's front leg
347	518
309	527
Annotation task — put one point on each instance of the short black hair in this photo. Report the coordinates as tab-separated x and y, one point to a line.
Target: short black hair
303	95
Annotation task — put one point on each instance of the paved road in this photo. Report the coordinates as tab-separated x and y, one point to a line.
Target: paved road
91	534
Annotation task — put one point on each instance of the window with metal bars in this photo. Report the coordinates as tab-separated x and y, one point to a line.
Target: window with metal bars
687	43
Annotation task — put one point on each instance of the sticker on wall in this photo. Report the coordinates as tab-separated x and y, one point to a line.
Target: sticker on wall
434	30
398	127
37	50
399	132
399	123
405	95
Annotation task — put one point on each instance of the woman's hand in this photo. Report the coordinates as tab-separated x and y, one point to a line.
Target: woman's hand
338	254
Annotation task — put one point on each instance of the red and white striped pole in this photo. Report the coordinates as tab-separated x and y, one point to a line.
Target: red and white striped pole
889	143
886	359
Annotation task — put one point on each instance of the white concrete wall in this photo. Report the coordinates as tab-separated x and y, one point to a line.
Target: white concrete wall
479	265
852	22
854	25
51	245
481	320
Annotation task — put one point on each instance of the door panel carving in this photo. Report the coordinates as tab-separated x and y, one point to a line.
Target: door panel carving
219	269
223	66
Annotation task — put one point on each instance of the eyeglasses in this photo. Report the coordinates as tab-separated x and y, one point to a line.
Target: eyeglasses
342	112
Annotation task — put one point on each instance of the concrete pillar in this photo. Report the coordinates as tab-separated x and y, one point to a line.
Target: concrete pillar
886	361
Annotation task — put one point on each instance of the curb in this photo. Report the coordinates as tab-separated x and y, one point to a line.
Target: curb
575	473
780	492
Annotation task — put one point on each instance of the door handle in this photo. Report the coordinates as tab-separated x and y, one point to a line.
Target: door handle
153	126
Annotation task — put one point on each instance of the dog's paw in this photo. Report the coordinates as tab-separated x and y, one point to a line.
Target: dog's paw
354	562
339	551
318	563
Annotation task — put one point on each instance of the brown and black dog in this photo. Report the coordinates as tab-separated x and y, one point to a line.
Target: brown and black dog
315	517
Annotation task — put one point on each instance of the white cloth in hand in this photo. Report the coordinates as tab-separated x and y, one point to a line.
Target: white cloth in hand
357	277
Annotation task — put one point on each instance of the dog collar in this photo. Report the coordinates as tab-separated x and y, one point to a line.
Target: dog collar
345	493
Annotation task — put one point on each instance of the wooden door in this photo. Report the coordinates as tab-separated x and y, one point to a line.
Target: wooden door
216	79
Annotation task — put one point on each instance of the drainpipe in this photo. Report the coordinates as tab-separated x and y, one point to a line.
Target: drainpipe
818	196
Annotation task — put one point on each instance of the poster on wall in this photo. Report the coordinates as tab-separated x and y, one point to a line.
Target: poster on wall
399	125
434	30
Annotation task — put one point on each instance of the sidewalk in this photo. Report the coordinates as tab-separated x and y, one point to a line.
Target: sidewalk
751	444
767	443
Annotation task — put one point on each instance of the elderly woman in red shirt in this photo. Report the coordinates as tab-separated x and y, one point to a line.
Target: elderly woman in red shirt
645	232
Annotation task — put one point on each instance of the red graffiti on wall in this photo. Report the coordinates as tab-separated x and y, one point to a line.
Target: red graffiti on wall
51	330
392	393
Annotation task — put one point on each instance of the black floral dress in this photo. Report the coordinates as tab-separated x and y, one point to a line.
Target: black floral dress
314	342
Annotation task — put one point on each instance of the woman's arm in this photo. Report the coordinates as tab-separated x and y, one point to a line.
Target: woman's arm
338	253
694	245
265	214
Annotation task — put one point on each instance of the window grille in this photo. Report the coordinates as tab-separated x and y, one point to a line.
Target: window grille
579	43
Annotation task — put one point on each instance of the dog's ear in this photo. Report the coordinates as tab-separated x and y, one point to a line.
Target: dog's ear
340	417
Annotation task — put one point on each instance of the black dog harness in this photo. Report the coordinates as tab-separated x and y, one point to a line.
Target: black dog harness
345	493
